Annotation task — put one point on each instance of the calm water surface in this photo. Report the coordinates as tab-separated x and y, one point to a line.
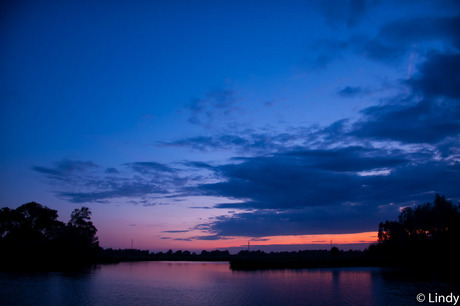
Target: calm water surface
206	283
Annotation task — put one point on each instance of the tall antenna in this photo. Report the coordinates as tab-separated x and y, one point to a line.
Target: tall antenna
249	245
132	243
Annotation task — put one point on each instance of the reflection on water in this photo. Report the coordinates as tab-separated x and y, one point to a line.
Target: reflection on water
200	283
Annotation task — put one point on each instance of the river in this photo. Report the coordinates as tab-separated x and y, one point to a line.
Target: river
213	283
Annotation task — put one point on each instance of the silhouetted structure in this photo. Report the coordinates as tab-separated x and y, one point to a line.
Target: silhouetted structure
31	237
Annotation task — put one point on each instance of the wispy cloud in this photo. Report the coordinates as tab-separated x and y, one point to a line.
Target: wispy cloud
244	141
84	182
65	168
215	105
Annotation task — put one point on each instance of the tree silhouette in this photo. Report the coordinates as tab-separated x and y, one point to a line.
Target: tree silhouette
82	227
31	225
32	236
426	231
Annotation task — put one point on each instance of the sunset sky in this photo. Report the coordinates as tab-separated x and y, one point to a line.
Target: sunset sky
207	124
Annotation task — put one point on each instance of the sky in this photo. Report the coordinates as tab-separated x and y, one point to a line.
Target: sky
207	124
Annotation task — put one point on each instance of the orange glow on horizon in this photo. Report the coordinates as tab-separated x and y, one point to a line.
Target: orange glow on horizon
323	241
365	237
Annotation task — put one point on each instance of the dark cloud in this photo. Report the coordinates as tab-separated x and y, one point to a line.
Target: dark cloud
332	220
429	115
423	122
438	76
295	199
348	159
317	178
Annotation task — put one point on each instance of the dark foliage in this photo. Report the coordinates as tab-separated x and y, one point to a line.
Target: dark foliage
111	255
427	234
31	237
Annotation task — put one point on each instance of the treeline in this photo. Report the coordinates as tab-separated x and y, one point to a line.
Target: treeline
111	255
423	236
31	237
244	259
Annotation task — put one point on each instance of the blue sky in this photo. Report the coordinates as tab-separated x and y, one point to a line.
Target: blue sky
196	122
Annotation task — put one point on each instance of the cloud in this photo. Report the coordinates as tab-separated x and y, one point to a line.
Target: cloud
393	39
438	76
406	31
291	198
317	178
349	91
215	105
112	171
429	115
100	192
397	37
210	237
176	231
244	141
317	220
149	167
65	168
85	182
422	122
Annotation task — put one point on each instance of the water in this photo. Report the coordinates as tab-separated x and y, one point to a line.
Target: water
208	283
